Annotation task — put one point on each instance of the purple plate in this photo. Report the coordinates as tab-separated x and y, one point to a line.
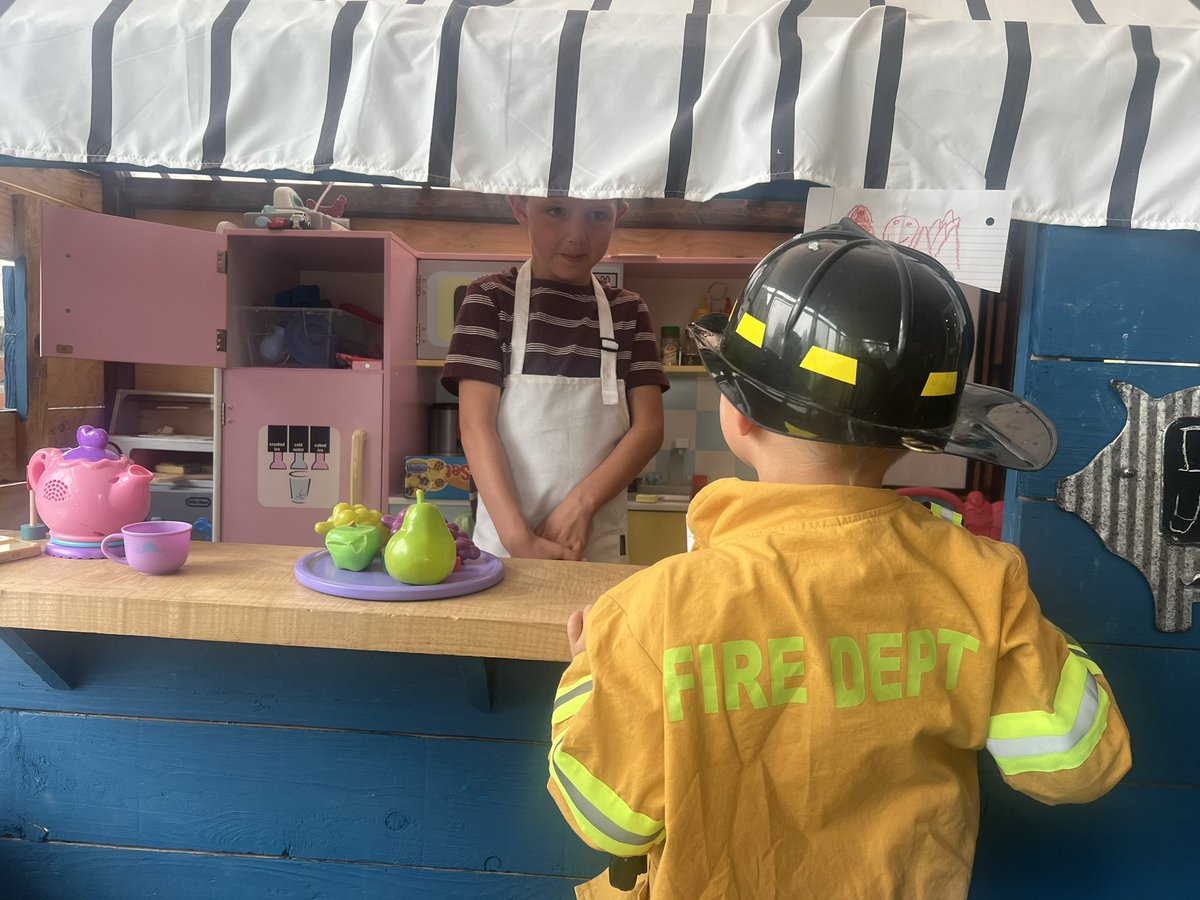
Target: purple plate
317	571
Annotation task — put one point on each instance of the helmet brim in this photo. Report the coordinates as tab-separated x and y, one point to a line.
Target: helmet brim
992	425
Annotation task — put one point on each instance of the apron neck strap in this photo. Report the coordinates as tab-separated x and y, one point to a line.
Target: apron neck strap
608	343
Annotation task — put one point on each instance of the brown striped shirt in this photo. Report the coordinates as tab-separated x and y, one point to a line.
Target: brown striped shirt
563	336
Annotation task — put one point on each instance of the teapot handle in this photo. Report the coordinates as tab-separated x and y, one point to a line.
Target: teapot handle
36	469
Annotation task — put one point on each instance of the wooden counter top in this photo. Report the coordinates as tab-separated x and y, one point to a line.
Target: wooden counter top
246	593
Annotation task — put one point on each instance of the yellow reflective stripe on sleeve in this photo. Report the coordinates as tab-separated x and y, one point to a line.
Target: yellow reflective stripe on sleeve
570	698
940	384
600	813
831	365
1041	741
1083	655
945	512
752	329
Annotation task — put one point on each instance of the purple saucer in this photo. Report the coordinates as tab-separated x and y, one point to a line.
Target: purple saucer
317	571
72	550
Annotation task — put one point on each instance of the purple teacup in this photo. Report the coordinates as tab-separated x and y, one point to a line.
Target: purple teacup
153	548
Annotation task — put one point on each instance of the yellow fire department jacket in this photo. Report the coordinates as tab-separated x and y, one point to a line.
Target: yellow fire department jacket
794	708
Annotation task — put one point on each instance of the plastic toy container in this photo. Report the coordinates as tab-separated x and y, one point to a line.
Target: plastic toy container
303	338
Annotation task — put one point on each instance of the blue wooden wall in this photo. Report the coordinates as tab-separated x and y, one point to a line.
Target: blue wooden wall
187	769
1098	305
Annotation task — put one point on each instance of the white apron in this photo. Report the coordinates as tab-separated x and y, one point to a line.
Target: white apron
555	430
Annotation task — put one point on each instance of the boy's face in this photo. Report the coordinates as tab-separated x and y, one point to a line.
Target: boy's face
568	236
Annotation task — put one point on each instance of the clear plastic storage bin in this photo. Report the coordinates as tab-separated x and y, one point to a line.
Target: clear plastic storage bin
306	338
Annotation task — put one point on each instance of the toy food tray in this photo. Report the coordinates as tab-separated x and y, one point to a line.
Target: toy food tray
317	571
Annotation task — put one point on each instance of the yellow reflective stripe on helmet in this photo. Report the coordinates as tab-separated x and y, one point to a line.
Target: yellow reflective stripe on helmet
752	329
797	432
831	365
602	815
945	512
1041	741
570	698
940	384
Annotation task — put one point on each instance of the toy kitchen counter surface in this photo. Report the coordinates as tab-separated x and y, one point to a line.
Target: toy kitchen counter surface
247	594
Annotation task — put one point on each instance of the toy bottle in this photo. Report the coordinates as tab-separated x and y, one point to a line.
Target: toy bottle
691	353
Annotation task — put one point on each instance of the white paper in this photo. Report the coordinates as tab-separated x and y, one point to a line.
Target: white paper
966	231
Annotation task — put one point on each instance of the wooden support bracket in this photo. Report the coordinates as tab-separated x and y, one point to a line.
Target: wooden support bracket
32	658
479	675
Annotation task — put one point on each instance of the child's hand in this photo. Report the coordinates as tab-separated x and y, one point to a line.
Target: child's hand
568	524
532	546
575	630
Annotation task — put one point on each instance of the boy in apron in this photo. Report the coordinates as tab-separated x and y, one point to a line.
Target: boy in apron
560	387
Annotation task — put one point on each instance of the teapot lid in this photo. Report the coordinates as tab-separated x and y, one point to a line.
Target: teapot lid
93	445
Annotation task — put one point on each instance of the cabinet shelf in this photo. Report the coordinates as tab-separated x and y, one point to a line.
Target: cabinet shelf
180	442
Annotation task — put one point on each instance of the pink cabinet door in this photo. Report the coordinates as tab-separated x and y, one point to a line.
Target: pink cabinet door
128	291
286	449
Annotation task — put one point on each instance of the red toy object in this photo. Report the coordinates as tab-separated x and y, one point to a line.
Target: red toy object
980	515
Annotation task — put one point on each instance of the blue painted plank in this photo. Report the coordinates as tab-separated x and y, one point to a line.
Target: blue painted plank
70	872
1163	735
1129	843
1116	293
1088	590
397	799
199	680
1079	399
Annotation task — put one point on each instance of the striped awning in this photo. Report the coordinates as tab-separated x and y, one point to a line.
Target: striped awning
1084	109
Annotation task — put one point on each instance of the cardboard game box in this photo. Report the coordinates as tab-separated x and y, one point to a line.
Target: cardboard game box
440	477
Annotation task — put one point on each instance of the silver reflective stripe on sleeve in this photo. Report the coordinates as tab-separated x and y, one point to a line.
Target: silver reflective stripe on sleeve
620	840
568	702
1053	743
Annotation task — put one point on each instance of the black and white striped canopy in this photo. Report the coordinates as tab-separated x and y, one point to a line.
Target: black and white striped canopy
1086	110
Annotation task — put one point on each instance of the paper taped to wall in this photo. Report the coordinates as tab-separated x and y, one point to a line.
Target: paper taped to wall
966	231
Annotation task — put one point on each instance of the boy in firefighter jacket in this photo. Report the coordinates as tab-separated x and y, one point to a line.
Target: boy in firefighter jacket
794	707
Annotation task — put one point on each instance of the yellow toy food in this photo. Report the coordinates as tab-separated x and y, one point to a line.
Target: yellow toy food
358	514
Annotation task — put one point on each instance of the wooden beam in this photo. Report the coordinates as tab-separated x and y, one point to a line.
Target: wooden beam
64	187
27	238
377	201
12	467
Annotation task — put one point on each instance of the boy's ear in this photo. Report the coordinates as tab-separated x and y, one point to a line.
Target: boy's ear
742	422
519	207
622	208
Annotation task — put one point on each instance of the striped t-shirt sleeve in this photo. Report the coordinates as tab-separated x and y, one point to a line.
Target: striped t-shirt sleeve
476	350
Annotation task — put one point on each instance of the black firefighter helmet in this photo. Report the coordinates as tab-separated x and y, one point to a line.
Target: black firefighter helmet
842	337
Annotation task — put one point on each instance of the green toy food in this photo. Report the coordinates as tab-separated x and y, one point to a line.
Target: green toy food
352	547
422	551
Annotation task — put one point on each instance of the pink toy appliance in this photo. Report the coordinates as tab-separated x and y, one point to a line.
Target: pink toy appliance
86	493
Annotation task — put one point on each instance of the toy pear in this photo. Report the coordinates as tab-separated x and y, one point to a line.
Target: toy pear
422	551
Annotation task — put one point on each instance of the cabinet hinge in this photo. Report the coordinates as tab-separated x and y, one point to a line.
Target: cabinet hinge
422	285
222	338
420	334
222	260
224	415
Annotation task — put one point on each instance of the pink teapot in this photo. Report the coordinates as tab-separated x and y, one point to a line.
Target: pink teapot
87	492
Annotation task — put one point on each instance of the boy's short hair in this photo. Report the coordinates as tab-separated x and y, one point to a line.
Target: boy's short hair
842	337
